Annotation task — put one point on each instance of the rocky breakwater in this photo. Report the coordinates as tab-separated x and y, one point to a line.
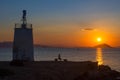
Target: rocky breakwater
57	70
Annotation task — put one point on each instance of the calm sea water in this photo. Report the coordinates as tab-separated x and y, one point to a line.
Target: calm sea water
109	57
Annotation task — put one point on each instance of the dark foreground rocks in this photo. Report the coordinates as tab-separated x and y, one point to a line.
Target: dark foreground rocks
56	70
103	73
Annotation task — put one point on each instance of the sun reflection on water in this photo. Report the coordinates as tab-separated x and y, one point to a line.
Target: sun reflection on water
99	57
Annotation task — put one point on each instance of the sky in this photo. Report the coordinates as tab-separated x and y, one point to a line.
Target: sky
64	23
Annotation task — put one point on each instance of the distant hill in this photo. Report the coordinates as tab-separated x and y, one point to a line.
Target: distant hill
9	44
6	44
103	46
43	46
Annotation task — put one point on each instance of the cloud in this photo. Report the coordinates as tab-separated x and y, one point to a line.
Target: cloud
88	29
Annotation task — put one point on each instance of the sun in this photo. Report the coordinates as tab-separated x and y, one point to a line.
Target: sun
99	39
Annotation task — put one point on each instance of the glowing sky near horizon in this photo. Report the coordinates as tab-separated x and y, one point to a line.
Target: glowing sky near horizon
69	23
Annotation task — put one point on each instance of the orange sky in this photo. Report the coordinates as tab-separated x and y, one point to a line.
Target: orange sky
70	34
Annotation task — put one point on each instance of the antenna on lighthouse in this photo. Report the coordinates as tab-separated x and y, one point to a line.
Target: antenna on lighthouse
24	19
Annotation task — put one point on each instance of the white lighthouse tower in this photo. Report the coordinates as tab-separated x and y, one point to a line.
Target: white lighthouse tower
23	41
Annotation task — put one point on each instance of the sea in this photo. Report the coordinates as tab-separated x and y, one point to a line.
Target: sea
105	56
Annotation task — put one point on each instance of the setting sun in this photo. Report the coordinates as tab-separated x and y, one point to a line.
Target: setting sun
99	39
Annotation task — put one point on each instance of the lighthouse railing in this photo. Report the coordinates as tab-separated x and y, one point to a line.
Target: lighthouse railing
28	26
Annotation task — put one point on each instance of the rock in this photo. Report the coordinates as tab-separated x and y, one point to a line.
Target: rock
104	68
5	72
16	63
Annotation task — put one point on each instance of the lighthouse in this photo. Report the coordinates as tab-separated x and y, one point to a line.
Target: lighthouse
23	41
